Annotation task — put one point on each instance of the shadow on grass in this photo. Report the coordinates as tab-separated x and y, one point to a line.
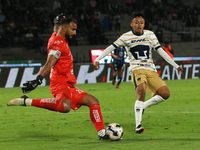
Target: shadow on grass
166	140
37	136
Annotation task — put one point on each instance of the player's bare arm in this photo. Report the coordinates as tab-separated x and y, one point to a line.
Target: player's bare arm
180	69
31	85
115	56
96	65
51	60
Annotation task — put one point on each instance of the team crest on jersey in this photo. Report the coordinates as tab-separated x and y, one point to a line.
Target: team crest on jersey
57	42
57	54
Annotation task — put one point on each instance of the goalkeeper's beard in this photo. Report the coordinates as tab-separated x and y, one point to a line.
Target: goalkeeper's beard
67	36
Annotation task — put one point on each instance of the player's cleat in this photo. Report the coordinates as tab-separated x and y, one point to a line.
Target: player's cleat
139	129
105	137
117	86
102	135
113	82
17	101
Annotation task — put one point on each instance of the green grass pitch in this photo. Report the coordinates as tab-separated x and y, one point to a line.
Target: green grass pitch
171	125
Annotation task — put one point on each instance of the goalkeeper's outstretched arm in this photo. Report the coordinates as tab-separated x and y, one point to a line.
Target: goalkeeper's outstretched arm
31	85
51	60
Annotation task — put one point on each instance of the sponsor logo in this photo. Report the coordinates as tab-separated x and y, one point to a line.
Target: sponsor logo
57	42
48	100
96	116
139	40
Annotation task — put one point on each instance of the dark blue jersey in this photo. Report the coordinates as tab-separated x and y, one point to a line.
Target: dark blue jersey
120	53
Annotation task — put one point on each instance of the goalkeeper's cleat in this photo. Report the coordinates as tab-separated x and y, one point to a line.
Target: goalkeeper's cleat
24	96
105	137
139	129
18	101
102	135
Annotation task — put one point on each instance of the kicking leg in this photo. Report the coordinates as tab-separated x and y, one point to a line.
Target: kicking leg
161	95
48	103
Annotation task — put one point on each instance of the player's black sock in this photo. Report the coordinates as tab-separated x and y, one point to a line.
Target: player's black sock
120	79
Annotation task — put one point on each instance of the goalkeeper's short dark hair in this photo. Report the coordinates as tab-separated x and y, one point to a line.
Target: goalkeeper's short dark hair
67	20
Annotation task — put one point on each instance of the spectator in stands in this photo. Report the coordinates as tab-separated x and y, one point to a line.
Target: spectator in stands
148	13
129	5
168	49
102	37
37	42
29	39
2	17
56	4
93	4
110	22
105	23
25	13
4	41
157	2
118	22
159	34
195	15
9	35
19	34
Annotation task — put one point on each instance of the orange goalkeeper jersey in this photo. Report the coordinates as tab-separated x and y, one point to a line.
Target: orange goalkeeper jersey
62	71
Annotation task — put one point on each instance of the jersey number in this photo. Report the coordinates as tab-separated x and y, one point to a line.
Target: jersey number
140	52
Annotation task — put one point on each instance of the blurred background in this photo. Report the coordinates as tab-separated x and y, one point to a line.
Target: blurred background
26	25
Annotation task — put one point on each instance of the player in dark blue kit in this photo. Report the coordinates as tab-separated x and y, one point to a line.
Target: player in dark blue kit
118	65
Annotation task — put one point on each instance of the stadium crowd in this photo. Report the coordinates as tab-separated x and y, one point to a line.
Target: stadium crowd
25	20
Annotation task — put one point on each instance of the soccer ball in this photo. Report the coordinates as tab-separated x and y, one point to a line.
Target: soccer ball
114	131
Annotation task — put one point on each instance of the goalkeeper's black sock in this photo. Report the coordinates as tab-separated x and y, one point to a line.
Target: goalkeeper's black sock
120	79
